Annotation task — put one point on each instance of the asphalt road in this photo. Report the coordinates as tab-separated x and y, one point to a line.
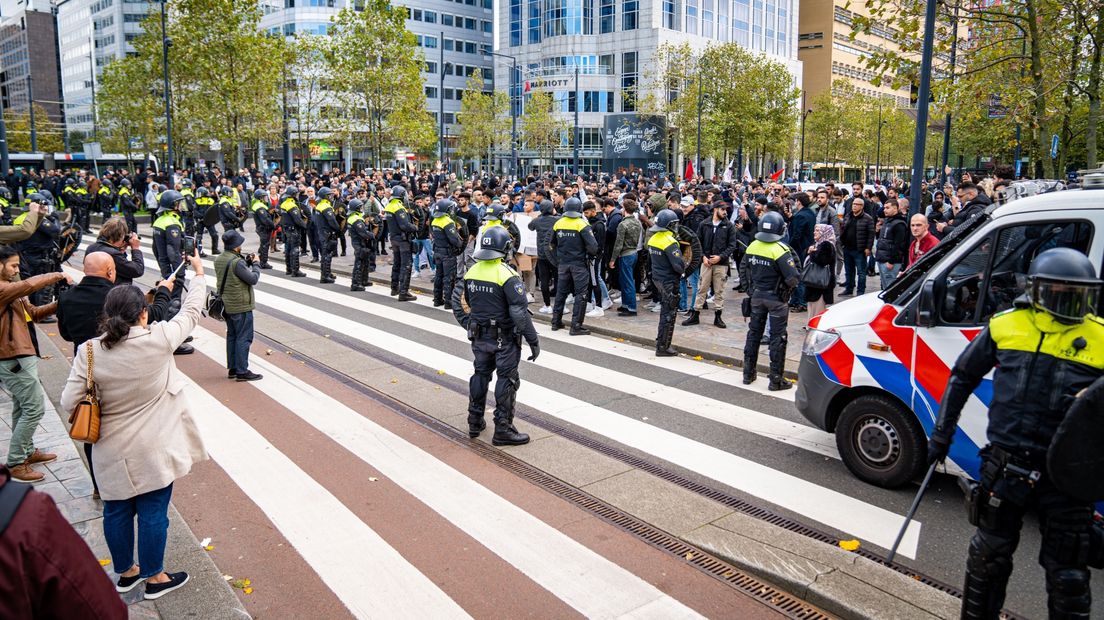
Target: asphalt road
691	417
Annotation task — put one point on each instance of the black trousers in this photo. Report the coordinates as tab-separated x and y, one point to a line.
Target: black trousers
38	264
265	238
765	305
291	251
444	279
132	224
360	262
668	291
326	245
546	277
572	279
1064	552
503	357
401	263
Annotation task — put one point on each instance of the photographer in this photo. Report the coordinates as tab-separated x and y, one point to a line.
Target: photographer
237	275
114	240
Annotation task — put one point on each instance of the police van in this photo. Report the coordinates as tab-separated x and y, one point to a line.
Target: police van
874	368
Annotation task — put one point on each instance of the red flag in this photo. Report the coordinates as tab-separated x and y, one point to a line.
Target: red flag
689	174
777	175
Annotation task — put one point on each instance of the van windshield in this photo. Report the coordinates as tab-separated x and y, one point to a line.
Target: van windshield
910	279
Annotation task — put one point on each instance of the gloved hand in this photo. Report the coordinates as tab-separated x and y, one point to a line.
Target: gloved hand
534	350
938	447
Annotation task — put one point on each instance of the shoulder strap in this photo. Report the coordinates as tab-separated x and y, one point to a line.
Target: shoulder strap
11	496
225	273
89	385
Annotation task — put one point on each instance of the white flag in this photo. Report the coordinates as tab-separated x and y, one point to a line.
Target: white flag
727	178
747	173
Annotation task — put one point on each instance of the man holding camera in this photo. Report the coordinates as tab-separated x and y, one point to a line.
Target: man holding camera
236	276
115	237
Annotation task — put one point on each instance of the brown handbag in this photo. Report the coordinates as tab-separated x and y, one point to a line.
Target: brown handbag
85	419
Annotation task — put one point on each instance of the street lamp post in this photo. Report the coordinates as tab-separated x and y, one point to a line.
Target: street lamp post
165	44
805	113
513	110
922	109
697	157
30	102
947	124
878	163
441	104
575	134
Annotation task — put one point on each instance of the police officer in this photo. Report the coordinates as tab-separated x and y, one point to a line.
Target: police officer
495	216
327	230
668	267
400	230
40	251
447	245
80	202
573	245
168	233
294	225
492	306
204	203
128	206
1046	350
262	221
6	214
227	209
772	270
105	198
363	239
190	201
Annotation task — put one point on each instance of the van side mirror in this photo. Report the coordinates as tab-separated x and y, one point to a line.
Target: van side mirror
925	312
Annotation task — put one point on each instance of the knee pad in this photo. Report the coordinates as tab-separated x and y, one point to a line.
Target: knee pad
990	556
1069	581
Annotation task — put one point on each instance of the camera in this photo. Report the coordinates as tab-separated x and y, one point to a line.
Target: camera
250	259
188	246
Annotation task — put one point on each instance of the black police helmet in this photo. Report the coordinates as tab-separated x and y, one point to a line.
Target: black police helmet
43	198
494	212
495	243
260	194
171	200
225	190
107	184
573	207
124	183
665	220
70	182
441	207
5	193
82	185
771	227
186	183
291	191
1063	283
203	192
355	204
324	193
398	192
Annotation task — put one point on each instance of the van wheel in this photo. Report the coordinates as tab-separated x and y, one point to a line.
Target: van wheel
880	442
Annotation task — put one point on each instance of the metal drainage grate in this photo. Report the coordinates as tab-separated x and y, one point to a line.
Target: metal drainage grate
780	601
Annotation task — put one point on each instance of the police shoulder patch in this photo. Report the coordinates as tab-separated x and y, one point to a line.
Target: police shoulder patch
519	288
175	233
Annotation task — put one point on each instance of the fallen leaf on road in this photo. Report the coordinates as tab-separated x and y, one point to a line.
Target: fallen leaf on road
440	372
227	577
288	352
205	542
268	351
247	590
50	334
210	547
689	555
105	562
619	339
394	381
644	418
240	583
371	479
327	335
47	357
849	545
697	358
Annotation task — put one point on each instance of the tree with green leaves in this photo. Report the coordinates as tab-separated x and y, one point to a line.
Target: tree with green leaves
309	95
484	120
127	110
378	64
48	134
542	128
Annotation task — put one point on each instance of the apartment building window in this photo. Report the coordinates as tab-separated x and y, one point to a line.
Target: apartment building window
628	82
515	22
692	16
629	14
431	92
724	27
534	21
606	16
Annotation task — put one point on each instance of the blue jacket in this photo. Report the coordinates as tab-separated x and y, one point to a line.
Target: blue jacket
801	230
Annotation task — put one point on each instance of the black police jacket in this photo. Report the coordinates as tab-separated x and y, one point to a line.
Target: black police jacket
228	215
292	219
771	268
666	257
446	241
1041	366
261	218
492	303
45	238
543	225
572	241
324	220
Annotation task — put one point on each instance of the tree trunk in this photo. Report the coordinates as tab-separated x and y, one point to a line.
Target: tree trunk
1067	104
1094	93
1044	167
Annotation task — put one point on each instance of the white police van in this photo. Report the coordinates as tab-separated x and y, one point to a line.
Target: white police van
874	368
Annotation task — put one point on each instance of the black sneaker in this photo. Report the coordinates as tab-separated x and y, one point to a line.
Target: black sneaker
230	374
126	584
157	590
249	376
184	349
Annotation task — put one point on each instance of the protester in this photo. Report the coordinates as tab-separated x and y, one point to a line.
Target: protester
148	438
822	252
922	239
236	276
858	238
628	238
892	247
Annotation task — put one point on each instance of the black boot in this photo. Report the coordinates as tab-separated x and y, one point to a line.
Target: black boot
579	330
717	321
663	343
778	380
749	369
394	291
407	297
476	424
506	435
693	320
981	598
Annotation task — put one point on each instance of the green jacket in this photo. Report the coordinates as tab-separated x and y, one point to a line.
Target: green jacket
237	295
628	237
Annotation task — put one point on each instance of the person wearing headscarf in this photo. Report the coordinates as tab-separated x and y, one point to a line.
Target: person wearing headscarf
822	252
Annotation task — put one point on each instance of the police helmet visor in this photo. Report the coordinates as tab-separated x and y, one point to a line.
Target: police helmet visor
1068	302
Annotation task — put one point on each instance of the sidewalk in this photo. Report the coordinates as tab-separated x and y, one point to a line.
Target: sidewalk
207	594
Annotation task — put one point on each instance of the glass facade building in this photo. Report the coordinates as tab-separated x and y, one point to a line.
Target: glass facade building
612	43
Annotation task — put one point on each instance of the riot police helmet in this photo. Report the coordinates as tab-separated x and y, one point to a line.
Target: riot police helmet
225	190
494	213
186	184
771	227
355	205
260	194
106	183
202	192
124	183
171	200
82	185
291	191
665	220
43	197
398	191
495	243
1063	283
324	193
440	208
70	182
5	193
573	207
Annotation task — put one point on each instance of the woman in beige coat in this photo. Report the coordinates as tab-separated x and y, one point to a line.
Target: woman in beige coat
148	438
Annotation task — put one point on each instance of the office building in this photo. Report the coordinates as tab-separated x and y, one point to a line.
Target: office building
613	43
29	64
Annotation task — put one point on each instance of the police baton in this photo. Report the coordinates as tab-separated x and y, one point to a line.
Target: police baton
911	511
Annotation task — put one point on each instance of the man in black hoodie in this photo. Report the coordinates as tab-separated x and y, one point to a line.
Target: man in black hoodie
893	239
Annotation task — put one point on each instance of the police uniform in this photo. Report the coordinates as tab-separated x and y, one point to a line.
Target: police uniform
492	306
128	207
189	213
1042	363
228	212
572	244
6	214
205	202
668	266
447	245
772	270
364	242
327	229
81	203
262	221
40	253
168	247
294	224
400	230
